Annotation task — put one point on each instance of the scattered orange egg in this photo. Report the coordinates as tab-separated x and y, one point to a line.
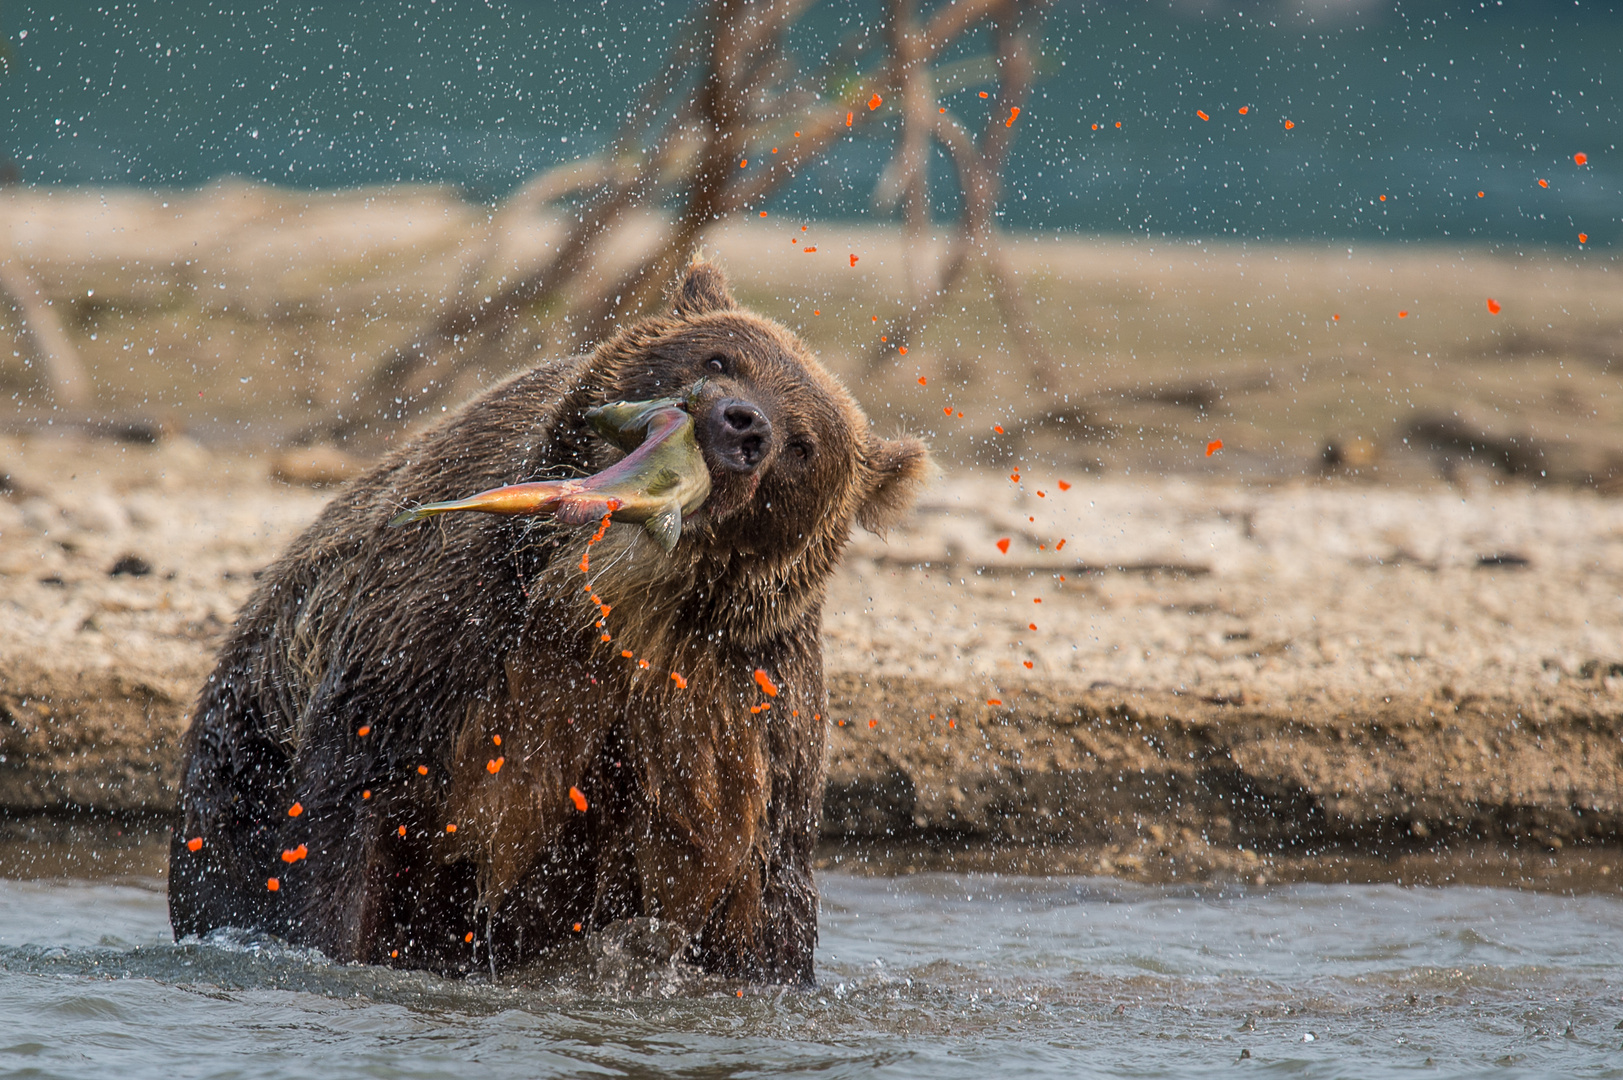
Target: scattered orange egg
451	828
1213	447
743	163
764	681
922	380
941	110
873	723
1095	127
808	250
494	765
1543	183
763	213
1481	194
422	770
902	350
293	855
272	884
367	794
1003	545
364	730
643	664
1383	198
1403	314
853	260
679	680
1202	114
401	830
1335	318
874	102
1583	238
998	428
1118	123
295	810
578	799
1493	306
1580	159
1014	114
626	653
1027	663
983	93
948	410
393	953
1289	124
1065	485
194	844
994	701
1060	547
848	119
797	134
1244	109
468	937
577	928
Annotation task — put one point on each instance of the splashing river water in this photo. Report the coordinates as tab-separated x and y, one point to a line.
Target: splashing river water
932	974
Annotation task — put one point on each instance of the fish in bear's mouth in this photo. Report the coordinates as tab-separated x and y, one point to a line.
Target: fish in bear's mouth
662	479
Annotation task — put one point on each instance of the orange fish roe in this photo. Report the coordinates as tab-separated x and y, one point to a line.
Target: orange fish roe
273	884
626	653
194	844
954	723
948	410
814	312
450	828
642	664
983	93
364	730
1065	485
1383	198
1003	545
1583	238
422	770
1042	494
401	830
873	724
921	380
1335	318
743	163
874	102
763	213
1403	314
1289	124
394	953
1118	123
1031	626
1482	194
494	765
295	810
681	683
764	681
1200	113
578	799
1213	447
1580	159
903	350
808	250
468	937
848	118
994	701
1243	110
797	134
853	260
998	428
1543	183
1493	306
367	794
1027	663
1060	547
577	928
1014	114
293	855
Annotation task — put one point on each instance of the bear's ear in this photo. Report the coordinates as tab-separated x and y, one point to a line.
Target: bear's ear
896	469
702	288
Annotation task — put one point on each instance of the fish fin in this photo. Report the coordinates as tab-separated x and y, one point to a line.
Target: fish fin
666	526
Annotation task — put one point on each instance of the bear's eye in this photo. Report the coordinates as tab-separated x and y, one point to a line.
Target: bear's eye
801	449
718	364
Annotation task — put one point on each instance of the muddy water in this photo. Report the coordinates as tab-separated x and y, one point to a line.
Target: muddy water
931	974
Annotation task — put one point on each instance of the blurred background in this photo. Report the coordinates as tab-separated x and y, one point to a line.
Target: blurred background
1356	237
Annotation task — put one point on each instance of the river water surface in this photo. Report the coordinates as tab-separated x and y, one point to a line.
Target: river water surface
937	975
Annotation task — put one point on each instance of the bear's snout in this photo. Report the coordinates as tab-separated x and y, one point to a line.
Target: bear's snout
740	434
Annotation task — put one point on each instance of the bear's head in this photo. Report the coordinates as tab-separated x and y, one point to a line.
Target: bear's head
793	459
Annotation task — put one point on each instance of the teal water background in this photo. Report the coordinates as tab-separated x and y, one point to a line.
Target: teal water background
1424	103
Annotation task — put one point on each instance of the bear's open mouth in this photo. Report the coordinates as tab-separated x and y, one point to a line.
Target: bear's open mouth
662	478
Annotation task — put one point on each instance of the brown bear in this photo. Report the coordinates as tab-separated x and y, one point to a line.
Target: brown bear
445	746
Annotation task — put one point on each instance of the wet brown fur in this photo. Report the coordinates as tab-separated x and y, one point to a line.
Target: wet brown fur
441	636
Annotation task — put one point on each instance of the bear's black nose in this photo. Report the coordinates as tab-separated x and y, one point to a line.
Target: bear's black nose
740	434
